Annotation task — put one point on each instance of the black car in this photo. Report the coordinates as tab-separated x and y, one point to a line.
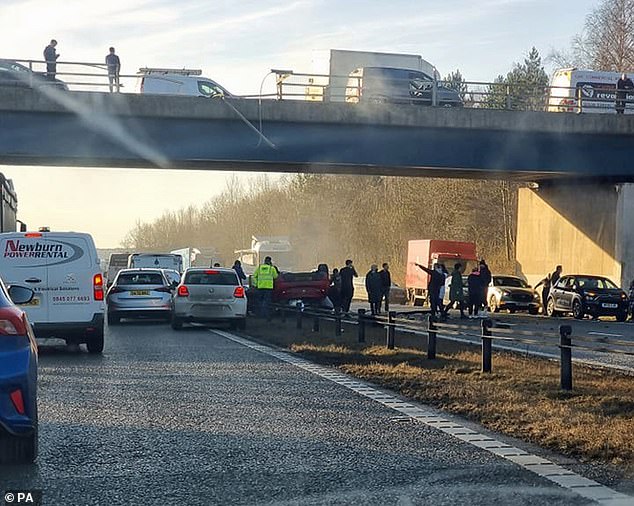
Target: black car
15	74
582	295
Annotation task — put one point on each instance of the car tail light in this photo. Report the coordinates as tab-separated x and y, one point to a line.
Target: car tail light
211	272
11	323
238	293
97	282
17	400
183	291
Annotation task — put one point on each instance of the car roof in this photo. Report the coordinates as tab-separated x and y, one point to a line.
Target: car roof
203	269
141	269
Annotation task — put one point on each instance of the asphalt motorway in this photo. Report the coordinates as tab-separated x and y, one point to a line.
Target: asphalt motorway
607	330
191	417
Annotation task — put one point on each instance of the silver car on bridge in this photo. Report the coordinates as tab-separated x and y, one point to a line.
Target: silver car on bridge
207	295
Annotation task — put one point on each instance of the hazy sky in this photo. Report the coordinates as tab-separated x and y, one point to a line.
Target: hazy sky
236	43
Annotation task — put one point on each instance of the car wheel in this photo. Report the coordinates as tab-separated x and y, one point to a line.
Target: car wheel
550	308
577	310
113	320
511	310
95	343
176	323
622	316
493	305
18	450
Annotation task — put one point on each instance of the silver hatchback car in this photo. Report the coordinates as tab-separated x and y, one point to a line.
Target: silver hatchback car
139	293
209	295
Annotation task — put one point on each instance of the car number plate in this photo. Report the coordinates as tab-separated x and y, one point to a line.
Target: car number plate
139	292
35	301
609	306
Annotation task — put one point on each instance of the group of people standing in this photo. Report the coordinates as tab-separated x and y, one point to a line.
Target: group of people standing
377	285
478	285
547	283
113	65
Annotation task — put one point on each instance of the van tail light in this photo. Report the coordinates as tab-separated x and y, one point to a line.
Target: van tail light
97	286
183	291
238	293
11	323
17	400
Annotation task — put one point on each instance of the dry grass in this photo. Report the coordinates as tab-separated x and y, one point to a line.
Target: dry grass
521	398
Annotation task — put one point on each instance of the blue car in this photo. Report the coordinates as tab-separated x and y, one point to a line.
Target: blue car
18	379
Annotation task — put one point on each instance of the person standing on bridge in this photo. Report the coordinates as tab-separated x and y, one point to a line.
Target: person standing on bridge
623	86
51	56
114	68
386	283
263	279
347	287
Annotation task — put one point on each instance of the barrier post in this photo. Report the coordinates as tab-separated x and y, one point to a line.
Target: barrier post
565	350
486	344
316	323
298	309
391	330
431	338
337	322
361	327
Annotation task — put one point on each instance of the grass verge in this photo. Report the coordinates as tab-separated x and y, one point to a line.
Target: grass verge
521	398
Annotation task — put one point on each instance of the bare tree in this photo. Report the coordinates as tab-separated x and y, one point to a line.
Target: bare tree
606	42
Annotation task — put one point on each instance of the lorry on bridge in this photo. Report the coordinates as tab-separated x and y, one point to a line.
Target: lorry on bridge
428	252
279	248
9	207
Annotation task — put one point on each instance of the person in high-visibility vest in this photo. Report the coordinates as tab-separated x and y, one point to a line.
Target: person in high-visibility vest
263	279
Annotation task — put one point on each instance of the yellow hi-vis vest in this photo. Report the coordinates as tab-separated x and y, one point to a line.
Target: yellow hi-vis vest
264	276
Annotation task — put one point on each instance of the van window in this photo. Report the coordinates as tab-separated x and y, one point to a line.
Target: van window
211	277
209	89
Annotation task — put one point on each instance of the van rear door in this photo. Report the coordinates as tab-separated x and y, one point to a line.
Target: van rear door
24	262
71	278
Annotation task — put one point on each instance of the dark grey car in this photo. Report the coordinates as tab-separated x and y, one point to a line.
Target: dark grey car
400	86
15	74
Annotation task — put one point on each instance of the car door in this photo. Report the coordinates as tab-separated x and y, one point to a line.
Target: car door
556	292
567	294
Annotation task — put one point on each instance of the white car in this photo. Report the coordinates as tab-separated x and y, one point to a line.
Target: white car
209	295
63	270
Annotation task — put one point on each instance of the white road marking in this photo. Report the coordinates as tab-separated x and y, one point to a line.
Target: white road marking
542	467
605	334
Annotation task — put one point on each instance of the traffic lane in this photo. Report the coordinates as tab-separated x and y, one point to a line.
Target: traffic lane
170	417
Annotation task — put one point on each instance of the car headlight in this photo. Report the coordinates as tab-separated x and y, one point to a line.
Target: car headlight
590	295
506	292
536	296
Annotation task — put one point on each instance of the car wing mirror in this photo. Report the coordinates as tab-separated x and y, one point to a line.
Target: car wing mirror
21	294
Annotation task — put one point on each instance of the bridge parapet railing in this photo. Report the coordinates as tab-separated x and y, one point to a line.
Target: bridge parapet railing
324	88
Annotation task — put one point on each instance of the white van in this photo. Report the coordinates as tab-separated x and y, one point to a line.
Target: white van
188	82
63	269
597	91
156	261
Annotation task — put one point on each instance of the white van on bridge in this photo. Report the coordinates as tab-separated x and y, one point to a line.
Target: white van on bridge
189	82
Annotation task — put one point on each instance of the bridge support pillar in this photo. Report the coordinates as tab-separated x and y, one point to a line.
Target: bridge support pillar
586	228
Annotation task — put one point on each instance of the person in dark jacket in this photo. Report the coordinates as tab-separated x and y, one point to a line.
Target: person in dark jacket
237	266
386	283
347	287
334	292
374	287
114	69
475	291
554	277
485	280
436	282
545	283
623	86
456	295
51	56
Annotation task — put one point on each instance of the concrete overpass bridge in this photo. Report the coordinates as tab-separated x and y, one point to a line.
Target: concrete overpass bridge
580	216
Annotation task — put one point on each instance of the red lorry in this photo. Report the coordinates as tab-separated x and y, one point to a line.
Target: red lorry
428	252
